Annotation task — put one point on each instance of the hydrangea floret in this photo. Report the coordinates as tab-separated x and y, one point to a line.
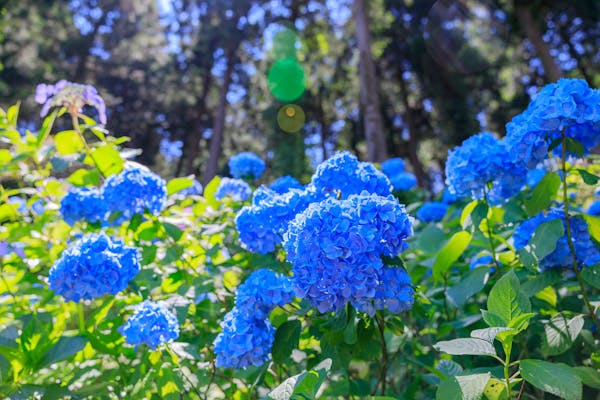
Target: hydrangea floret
568	107
244	341
71	95
94	266
587	252
284	184
83	204
433	211
133	191
262	291
482	167
152	324
246	165
236	189
336	248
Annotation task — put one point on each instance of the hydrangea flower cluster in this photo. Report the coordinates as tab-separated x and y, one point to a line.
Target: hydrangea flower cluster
151	323
568	106
262	225
284	184
83	203
534	176
587	252
246	165
194	190
237	189
448	197
343	175
335	247
92	267
433	211
594	208
481	160
401	180
73	96
263	291
244	341
133	191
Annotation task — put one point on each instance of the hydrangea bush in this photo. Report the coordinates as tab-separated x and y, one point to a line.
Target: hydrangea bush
117	283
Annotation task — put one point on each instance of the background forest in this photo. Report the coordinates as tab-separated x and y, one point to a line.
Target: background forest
188	81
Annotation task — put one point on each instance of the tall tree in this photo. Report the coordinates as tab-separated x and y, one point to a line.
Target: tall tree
369	96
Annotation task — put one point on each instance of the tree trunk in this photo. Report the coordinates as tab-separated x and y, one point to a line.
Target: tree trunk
372	119
532	31
216	141
412	132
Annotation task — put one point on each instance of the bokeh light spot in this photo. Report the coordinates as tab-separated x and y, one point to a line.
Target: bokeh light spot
286	79
291	118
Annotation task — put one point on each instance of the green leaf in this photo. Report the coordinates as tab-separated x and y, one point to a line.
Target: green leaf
450	253
472	283
495	390
209	192
541	281
560	333
555	378
506	299
463	387
466	346
543	240
85	177
474	218
488	334
287	338
12	114
173	231
589	376
431	239
575	147
295	385
68	142
449	368
67	346
46	128
591	275
588	178
108	160
593	226
543	194
178	184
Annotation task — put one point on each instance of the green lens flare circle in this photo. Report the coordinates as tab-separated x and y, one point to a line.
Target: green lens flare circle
286	80
291	118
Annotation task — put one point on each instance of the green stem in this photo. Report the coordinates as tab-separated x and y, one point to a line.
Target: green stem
379	318
507	351
81	314
489	230
586	300
88	150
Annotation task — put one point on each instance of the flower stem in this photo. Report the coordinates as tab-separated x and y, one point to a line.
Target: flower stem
586	300
88	151
81	314
489	231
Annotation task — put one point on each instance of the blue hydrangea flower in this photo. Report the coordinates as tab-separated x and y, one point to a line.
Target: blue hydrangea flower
244	341
448	197
262	225
151	323
343	175
586	250
262	292
133	191
568	105
534	176
481	160
92	267
237	189
83	203
393	292
194	190
594	208
393	166
246	165
73	96
432	211
482	259
335	247
404	181
284	184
